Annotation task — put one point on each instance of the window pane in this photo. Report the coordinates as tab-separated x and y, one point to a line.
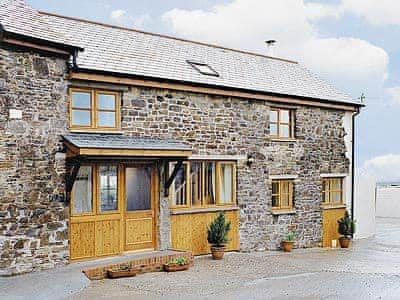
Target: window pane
180	186
82	191
284	131
196	184
285	200
226	193
325	186
336	197
284	116
209	183
106	119
105	101
138	186
108	188
273	129
275	188
275	201
81	99
336	184
325	197
273	116
81	117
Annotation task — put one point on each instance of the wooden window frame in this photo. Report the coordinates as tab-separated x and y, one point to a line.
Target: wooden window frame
330	191
96	203
94	110
278	122
218	202
279	194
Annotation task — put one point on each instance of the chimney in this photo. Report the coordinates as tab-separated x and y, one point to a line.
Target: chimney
270	46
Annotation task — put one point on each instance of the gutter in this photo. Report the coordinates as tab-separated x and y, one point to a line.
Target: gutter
353	155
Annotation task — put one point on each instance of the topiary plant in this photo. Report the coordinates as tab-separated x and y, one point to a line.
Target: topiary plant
346	225
217	231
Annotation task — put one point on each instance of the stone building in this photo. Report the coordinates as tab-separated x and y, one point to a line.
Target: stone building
114	140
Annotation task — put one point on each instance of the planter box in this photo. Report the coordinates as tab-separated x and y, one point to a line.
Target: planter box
122	273
175	267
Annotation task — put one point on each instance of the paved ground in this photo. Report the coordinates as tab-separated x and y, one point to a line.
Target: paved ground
369	270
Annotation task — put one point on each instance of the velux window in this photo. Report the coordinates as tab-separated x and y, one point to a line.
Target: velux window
94	109
281	123
203	68
204	184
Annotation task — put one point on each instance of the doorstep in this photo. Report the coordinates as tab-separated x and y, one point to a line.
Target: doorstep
145	261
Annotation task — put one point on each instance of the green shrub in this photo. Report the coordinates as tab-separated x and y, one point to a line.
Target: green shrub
346	225
217	231
289	237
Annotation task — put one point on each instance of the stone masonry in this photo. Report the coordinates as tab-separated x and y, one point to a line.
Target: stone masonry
33	216
33	213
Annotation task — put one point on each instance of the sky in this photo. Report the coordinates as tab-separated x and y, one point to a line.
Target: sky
353	44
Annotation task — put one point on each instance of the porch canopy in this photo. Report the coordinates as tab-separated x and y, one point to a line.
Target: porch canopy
86	147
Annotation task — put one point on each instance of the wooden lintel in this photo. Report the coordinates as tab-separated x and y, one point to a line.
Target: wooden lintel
171	178
209	90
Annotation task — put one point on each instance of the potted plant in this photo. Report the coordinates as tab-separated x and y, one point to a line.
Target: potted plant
126	270
346	227
217	233
287	242
177	264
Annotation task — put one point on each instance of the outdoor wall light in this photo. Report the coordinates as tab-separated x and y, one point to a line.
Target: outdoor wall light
250	160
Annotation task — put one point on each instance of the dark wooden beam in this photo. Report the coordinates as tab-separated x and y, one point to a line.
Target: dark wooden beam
72	172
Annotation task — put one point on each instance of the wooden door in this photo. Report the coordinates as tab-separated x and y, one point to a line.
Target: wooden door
139	218
96	214
330	225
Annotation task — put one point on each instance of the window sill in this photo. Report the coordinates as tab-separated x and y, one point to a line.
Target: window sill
181	211
331	206
95	131
275	139
278	212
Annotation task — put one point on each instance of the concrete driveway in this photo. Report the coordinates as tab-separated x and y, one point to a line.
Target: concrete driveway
369	270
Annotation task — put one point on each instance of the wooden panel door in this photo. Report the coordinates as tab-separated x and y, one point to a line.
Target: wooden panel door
330	226
140	195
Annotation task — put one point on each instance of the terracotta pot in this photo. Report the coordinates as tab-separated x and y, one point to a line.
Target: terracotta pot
287	246
344	242
122	273
217	252
175	267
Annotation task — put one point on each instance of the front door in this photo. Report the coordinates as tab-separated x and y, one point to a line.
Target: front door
139	216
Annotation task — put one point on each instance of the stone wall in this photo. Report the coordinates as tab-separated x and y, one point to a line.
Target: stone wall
230	126
33	216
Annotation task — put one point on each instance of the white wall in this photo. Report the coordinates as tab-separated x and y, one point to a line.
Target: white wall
348	140
388	202
364	205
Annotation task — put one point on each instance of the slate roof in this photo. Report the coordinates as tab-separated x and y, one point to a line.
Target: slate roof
17	17
117	141
131	52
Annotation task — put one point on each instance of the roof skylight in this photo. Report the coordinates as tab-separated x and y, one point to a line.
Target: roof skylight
203	68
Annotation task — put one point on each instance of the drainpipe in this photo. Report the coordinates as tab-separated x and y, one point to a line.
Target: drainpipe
353	154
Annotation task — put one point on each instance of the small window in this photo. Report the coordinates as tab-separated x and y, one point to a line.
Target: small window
281	123
282	194
203	68
82	192
332	191
94	109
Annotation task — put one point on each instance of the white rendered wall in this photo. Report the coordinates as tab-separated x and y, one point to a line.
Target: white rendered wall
388	202
348	140
364	205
